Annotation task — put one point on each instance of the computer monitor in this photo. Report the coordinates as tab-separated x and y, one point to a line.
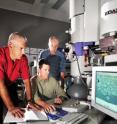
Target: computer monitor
104	89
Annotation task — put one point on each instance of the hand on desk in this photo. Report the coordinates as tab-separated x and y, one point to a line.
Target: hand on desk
49	107
34	106
17	112
58	100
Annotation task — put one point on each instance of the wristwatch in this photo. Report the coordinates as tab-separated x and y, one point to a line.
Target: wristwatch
30	100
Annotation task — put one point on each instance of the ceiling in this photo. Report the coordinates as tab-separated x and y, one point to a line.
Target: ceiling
37	18
53	9
55	4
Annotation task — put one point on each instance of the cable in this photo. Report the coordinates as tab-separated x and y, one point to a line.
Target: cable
80	71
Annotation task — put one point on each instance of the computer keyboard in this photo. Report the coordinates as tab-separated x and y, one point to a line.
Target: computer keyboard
74	118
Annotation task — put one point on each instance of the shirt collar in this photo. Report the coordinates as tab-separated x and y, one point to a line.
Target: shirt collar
42	79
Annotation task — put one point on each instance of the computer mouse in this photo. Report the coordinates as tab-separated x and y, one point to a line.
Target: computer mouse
53	112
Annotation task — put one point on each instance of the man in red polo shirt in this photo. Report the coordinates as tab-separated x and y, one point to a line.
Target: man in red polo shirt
14	64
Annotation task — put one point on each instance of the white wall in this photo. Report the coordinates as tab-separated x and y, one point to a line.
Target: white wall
77	20
84	20
77	30
91	20
84	27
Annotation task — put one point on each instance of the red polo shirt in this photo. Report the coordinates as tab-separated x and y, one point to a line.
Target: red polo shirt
9	70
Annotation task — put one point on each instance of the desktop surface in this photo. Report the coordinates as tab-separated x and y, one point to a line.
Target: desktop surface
93	114
73	105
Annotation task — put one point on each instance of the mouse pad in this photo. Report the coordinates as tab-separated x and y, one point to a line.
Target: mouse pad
59	113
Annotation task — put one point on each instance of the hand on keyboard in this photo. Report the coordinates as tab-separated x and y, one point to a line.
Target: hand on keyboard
49	107
53	112
59	113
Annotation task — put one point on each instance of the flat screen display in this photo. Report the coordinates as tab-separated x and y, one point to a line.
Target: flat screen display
104	89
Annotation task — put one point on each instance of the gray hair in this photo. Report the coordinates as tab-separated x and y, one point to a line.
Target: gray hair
13	35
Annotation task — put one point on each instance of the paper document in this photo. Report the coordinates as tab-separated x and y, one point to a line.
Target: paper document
29	115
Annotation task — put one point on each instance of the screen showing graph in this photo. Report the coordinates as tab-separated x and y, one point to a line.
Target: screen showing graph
106	90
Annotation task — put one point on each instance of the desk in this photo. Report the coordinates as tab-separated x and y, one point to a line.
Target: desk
95	117
40	122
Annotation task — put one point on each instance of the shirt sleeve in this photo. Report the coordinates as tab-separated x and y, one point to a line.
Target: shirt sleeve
36	96
25	74
35	90
1	69
62	63
59	91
